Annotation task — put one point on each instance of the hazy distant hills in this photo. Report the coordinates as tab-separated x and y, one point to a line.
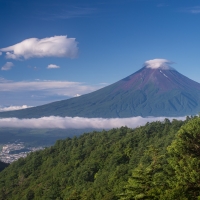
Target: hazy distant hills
160	91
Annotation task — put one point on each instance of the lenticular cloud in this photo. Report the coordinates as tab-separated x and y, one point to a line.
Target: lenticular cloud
158	63
57	46
79	122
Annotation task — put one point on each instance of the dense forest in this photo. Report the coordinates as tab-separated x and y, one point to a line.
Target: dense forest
157	161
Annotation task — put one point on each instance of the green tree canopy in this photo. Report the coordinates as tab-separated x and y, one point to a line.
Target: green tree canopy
175	174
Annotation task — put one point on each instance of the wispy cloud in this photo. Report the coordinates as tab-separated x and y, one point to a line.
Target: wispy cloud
33	67
3	80
65	12
38	92
52	66
162	5
79	122
9	108
192	10
7	66
64	88
57	46
75	12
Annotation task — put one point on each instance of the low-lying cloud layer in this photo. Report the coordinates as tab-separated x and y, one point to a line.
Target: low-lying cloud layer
79	122
57	46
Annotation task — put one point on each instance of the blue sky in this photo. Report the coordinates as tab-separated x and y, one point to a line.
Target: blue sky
56	49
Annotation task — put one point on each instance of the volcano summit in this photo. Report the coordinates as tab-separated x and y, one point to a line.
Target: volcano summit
157	89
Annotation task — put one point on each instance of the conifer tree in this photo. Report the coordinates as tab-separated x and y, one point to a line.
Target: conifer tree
177	176
147	180
184	159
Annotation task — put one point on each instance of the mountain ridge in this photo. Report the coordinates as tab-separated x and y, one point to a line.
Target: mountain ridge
158	91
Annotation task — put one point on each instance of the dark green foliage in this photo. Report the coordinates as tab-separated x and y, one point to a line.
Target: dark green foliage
95	165
147	180
175	174
184	160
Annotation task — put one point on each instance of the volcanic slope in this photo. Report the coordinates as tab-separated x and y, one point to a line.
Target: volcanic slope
151	91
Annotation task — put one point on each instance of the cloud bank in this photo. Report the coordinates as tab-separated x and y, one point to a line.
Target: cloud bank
57	46
159	63
7	66
52	66
14	108
79	122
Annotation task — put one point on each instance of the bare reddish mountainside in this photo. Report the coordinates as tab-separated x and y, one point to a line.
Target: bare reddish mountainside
163	79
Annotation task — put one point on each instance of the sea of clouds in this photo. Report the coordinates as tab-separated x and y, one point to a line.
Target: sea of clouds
79	122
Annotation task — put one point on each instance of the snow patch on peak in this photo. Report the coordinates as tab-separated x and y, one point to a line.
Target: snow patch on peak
163	74
159	64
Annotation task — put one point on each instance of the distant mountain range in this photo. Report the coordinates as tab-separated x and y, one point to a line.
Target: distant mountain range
151	91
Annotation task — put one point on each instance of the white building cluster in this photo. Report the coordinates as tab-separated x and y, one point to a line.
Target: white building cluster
14	151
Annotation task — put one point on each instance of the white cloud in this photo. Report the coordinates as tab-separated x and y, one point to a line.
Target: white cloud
52	66
67	12
79	122
64	88
3	80
0	53
192	10
57	46
158	63
38	92
14	108
7	66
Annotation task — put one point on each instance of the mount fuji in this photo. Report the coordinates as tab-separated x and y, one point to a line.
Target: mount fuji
156	89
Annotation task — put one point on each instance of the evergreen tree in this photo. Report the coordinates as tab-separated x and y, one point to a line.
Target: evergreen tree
147	180
177	176
95	166
184	160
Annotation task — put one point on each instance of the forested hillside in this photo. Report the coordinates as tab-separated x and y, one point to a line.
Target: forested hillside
120	163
